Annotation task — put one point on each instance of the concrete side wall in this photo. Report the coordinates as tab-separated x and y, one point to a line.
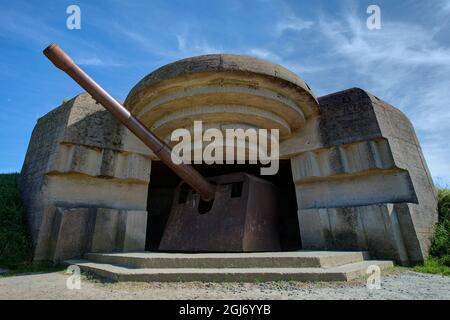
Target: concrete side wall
376	228
43	145
368	187
407	154
84	183
76	231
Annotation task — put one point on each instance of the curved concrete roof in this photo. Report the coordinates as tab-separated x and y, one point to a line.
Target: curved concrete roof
220	62
225	82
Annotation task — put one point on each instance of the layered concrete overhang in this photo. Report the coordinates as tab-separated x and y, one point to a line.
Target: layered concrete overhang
223	91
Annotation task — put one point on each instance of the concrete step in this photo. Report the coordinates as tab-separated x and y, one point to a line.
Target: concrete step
345	272
291	259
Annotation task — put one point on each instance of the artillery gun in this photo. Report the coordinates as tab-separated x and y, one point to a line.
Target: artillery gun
229	213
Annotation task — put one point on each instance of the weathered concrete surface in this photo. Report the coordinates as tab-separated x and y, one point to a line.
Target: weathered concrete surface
369	187
224	91
289	259
79	230
84	176
228	267
247	267
341	273
361	180
189	70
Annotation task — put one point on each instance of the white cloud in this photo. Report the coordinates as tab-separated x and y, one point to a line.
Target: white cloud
293	23
181	43
395	43
264	54
303	68
134	36
404	65
26	26
97	62
446	5
194	47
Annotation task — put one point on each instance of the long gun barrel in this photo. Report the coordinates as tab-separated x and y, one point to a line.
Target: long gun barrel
186	172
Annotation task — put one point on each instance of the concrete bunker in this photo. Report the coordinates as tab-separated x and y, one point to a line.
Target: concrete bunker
360	179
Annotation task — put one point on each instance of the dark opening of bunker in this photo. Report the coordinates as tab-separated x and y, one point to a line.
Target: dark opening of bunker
162	188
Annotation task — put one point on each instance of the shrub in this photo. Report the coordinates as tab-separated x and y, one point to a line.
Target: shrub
440	243
433	265
15	243
444	204
439	259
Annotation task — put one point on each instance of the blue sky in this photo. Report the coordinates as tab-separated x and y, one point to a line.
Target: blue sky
327	43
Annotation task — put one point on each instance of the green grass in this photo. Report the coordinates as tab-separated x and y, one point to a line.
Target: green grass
433	265
29	267
16	250
439	260
15	244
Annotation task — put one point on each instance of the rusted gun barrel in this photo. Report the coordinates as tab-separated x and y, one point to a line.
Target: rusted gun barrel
186	172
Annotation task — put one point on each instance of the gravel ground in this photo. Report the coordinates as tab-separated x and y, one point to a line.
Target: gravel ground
396	285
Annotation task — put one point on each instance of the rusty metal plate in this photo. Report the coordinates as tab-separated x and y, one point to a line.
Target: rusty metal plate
242	218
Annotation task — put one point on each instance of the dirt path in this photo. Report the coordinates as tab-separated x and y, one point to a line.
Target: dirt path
403	285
